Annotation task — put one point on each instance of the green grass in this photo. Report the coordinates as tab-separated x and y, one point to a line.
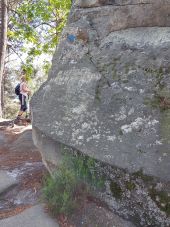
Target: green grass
70	184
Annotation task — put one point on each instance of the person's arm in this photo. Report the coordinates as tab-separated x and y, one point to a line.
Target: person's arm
25	88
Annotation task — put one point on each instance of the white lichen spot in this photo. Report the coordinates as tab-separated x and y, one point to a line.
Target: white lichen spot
85	126
73	62
115	85
137	123
157	142
160	159
121	115
141	91
80	138
60	133
153	122
126	129
131	71
131	111
97	137
130	88
79	109
111	138
165	154
134	125
75	134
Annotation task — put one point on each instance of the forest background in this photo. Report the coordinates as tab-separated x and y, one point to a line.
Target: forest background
29	31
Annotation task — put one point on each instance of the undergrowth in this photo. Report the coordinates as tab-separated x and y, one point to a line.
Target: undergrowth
68	187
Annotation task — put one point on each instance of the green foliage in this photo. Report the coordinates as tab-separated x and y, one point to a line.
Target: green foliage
68	186
59	191
39	22
85	169
35	27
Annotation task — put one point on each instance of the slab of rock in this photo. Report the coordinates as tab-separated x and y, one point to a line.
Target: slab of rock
108	96
34	216
24	142
6	181
108	90
115	15
111	101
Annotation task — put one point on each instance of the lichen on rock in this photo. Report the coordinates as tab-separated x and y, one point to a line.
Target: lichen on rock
108	91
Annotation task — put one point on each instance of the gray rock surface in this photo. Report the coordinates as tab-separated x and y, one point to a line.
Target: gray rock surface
92	215
108	92
106	99
26	140
107	16
6	181
32	217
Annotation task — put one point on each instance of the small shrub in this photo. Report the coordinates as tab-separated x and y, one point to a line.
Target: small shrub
68	187
59	191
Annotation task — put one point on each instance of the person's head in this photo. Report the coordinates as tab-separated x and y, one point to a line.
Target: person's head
23	78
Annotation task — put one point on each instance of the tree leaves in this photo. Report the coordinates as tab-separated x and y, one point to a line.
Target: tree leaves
36	26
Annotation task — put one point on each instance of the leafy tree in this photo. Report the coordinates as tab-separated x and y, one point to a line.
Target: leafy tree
35	27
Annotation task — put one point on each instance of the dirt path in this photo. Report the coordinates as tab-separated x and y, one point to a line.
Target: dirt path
20	159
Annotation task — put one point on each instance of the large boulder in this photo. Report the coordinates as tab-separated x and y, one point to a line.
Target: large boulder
108	92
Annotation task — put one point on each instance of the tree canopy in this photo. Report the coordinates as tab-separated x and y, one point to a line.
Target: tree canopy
35	27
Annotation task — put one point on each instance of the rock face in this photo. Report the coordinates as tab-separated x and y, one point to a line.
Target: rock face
108	92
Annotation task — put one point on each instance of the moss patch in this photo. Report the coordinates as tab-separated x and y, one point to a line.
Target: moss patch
116	190
145	178
162	200
130	185
161	102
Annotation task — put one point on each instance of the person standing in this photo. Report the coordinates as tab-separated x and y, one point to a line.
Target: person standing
23	97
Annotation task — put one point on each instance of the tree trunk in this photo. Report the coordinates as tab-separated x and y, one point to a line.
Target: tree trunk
3	43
